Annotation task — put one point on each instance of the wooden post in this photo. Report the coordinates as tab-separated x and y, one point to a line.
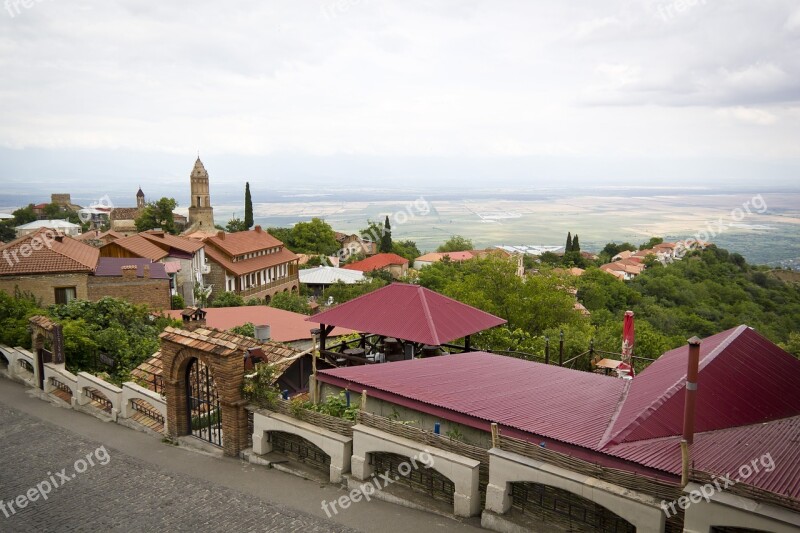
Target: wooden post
467	347
561	348
547	350
363	405
495	435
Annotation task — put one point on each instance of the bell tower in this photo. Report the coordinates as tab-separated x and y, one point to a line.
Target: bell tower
140	199
201	213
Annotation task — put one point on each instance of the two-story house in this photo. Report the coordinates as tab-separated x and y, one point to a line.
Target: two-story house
252	264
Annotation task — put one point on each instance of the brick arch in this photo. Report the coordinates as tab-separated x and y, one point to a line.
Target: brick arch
226	364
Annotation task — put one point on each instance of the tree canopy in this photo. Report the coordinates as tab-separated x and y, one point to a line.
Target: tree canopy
158	215
289	301
456	243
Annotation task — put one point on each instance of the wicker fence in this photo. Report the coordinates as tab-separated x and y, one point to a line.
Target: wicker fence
339	426
749	491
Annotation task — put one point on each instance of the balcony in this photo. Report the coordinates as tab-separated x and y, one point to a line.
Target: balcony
288	281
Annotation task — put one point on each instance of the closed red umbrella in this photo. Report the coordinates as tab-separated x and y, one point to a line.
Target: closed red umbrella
627	343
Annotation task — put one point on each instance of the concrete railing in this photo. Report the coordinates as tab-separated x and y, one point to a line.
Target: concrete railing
20	364
112	393
131	391
62	376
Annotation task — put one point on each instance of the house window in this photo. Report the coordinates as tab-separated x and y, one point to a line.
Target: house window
65	295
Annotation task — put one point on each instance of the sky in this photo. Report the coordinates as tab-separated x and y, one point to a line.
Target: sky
108	95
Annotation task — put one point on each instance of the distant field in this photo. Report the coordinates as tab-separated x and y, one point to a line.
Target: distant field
767	236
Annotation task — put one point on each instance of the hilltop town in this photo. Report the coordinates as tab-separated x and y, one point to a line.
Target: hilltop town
336	356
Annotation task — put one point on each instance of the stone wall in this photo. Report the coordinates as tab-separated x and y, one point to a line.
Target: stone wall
43	286
154	293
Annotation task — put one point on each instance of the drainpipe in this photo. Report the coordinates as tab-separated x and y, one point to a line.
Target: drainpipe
689	406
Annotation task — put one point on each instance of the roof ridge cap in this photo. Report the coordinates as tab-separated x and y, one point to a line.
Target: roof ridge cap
428	318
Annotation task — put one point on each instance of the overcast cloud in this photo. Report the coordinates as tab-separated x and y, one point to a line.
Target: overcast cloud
700	90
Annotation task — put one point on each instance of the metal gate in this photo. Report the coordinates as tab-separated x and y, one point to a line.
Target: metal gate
299	449
560	508
45	356
202	403
425	480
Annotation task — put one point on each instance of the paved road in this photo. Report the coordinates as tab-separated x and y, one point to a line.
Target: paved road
146	485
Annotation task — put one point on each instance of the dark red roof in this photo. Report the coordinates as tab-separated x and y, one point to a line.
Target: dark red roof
747	405
410	313
112	266
377	262
744	379
547	400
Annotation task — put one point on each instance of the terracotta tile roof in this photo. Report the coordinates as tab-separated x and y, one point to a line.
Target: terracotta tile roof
377	262
244	242
125	213
285	326
438	256
69	255
138	245
165	239
250	265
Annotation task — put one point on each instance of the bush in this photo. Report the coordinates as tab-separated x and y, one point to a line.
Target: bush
178	302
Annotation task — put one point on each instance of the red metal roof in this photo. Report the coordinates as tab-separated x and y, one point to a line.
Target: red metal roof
743	379
410	313
377	262
285	326
725	451
112	266
545	400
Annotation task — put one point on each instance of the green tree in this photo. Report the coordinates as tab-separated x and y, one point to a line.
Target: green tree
386	238
284	235
227	299
407	249
7	233
568	246
456	243
314	237
649	244
236	225
576	245
248	207
178	302
344	292
289	301
158	215
24	215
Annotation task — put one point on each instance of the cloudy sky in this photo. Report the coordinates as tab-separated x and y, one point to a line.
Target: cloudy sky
376	91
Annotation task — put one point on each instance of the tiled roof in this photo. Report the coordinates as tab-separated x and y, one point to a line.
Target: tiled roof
438	256
125	213
244	242
250	265
69	255
138	245
377	262
171	241
285	326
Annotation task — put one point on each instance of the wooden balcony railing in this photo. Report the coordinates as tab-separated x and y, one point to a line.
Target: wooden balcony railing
288	280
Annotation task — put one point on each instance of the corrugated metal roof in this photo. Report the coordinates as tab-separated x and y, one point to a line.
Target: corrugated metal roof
725	451
545	400
743	379
326	275
243	242
137	245
410	313
254	264
112	266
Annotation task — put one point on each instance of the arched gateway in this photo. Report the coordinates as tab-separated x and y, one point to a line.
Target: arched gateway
203	375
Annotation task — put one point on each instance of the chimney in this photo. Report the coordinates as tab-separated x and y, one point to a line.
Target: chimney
146	269
258	229
262	333
221	235
691	390
129	272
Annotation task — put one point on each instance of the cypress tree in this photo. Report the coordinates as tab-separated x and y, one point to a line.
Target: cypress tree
576	246
248	207
386	238
568	247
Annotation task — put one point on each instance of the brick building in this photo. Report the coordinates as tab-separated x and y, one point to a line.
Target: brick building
252	264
